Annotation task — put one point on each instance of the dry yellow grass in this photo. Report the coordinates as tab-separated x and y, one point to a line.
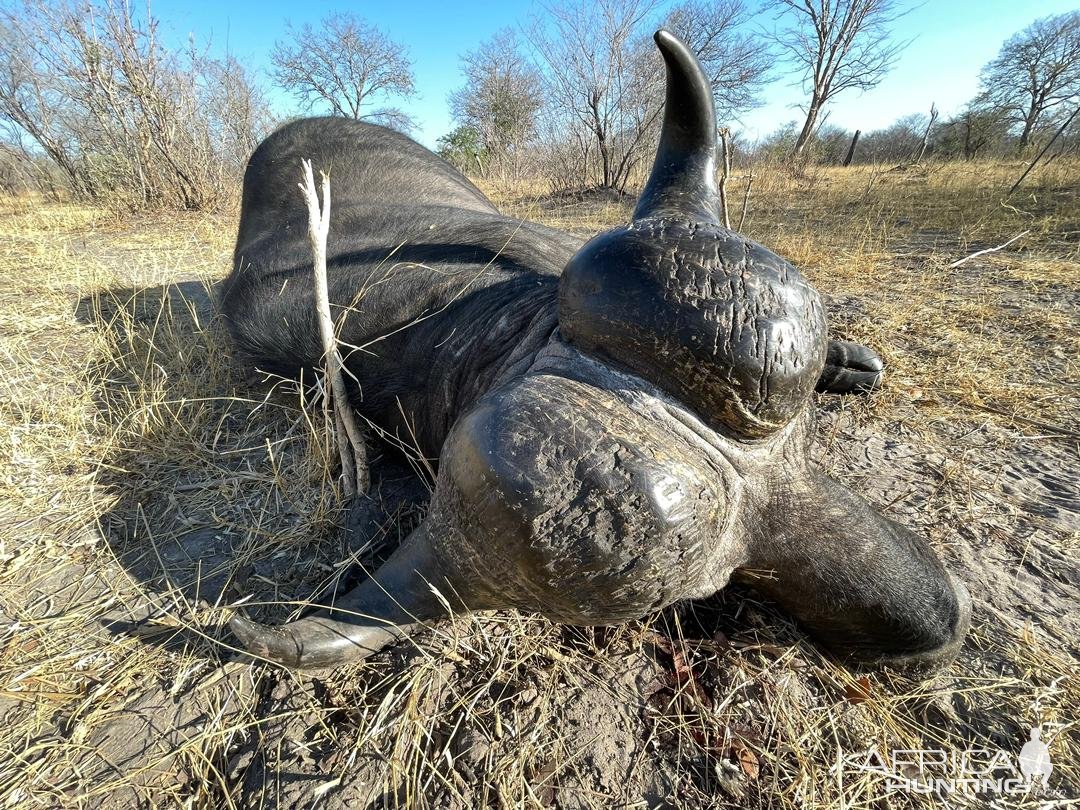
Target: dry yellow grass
127	428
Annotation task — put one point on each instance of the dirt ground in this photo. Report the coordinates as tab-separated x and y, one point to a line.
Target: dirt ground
149	482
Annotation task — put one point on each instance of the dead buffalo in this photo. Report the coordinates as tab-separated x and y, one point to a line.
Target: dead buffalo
619	424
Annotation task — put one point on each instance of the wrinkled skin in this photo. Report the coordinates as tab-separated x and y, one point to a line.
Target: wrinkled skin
617	425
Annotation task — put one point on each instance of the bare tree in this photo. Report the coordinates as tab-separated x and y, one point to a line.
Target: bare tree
242	116
603	80
500	99
737	63
838	45
1036	72
973	131
32	98
125	118
600	79
345	65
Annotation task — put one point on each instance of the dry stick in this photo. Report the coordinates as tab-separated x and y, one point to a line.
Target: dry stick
1038	157
354	467
746	199
851	149
926	135
725	135
1058	429
978	253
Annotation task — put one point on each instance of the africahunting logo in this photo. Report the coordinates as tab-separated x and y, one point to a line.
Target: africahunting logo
972	772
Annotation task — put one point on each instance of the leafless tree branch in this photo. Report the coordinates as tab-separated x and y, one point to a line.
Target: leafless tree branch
345	65
350	440
838	45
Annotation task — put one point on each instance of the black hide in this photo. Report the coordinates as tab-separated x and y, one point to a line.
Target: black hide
610	438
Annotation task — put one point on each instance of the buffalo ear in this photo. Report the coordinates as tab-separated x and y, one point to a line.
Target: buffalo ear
866	587
850	368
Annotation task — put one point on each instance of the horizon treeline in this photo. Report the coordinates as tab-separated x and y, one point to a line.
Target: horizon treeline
94	104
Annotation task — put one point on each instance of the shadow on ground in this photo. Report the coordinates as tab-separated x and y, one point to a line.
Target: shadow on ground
218	492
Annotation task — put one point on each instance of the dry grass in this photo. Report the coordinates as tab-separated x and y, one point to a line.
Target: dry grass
130	437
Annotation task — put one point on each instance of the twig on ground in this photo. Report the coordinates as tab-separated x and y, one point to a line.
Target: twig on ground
1058	429
350	441
978	253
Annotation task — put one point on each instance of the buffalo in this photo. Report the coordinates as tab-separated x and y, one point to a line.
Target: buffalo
619	424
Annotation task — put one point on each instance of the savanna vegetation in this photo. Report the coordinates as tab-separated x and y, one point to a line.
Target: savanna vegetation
151	482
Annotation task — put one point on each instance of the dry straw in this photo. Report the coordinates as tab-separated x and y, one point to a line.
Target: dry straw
149	482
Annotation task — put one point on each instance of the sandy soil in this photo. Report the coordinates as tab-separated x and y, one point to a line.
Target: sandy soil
721	703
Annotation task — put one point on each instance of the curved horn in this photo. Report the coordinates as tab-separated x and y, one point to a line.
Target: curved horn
683	179
382	610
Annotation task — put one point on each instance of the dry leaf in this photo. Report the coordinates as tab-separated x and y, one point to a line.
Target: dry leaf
858	691
748	761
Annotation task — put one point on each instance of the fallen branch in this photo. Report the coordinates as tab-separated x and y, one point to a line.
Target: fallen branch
350	441
978	253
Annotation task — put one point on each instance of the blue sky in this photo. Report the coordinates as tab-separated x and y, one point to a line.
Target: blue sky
951	40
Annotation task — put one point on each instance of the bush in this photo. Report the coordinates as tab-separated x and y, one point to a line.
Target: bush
127	121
